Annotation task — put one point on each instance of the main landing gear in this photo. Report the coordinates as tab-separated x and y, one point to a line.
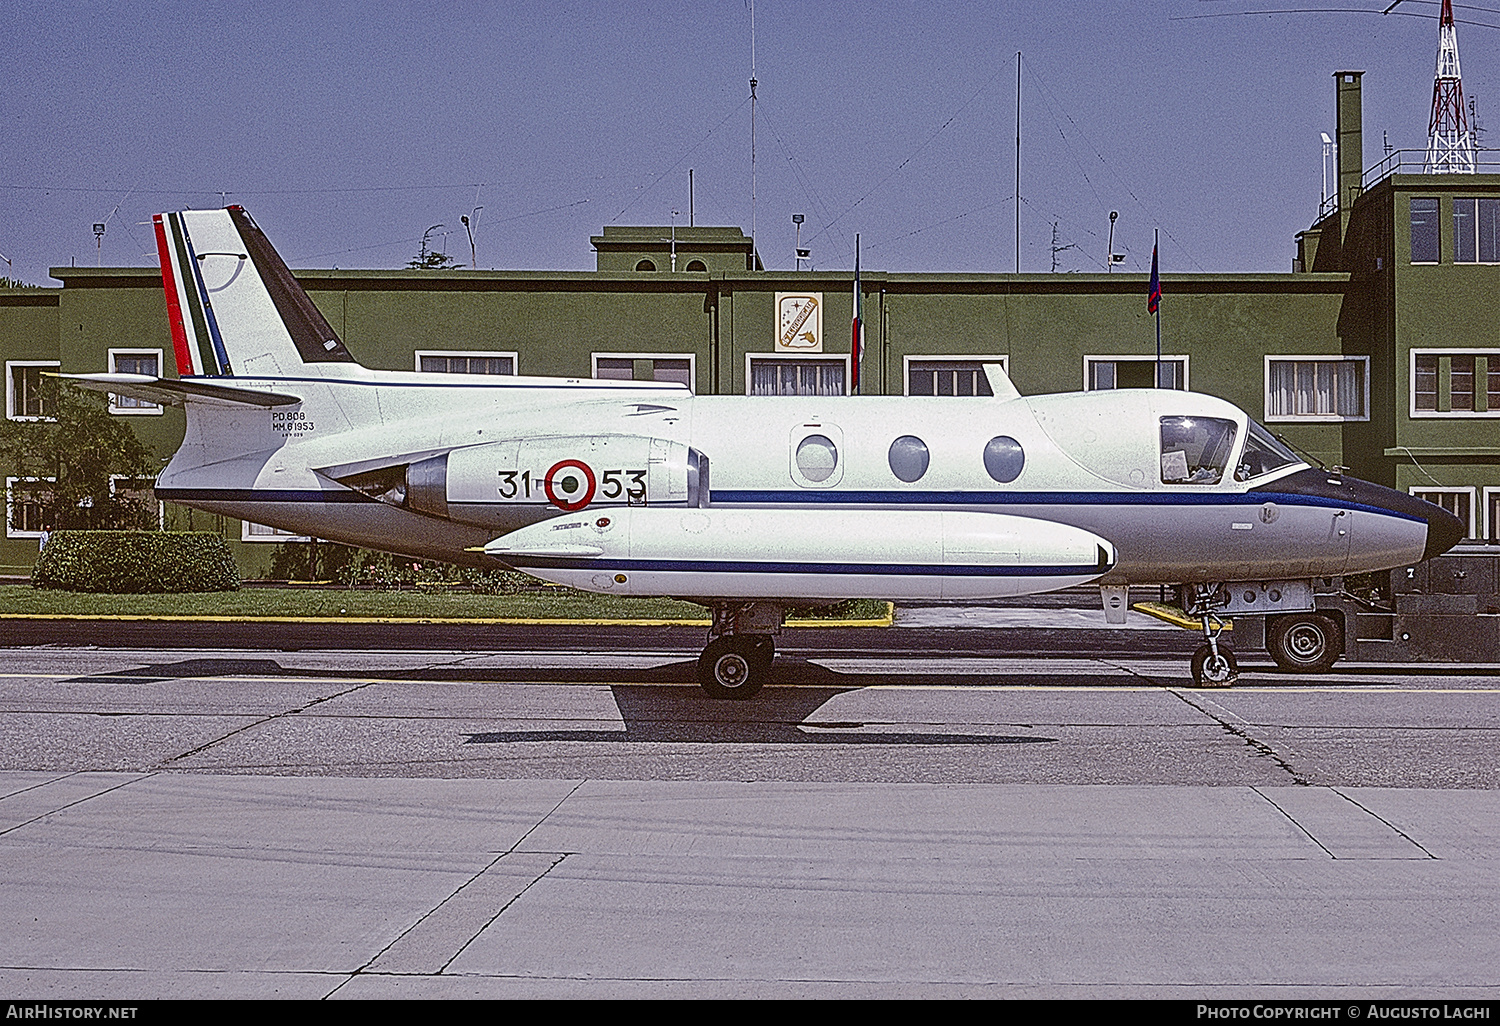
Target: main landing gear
1213	665
741	646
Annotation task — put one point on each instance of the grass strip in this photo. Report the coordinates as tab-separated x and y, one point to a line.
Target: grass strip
294	603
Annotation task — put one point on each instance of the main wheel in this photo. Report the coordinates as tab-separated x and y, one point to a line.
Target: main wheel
1210	671
733	666
1305	642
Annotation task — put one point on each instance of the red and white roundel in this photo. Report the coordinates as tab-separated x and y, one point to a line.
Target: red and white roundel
570	485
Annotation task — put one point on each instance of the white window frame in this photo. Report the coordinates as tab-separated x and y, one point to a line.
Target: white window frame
907	361
10	388
691	358
515	360
161	507
750	359
1476	262
1112	358
1329	418
1411	385
1490	494
146	409
10	483
1418	491
274	535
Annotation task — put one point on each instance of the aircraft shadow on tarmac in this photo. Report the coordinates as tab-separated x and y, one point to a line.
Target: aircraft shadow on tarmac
775	716
659	711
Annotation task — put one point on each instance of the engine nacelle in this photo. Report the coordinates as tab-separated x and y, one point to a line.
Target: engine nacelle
482	484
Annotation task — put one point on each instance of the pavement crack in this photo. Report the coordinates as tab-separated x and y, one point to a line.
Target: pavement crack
1393	827
80	801
1243	733
491	864
1293	820
263	720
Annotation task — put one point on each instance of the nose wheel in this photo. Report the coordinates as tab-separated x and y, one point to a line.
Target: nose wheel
1214	669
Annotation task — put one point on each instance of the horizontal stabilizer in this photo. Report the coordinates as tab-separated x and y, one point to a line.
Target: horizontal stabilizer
176	391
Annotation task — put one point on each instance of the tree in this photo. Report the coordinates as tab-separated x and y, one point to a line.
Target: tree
81	450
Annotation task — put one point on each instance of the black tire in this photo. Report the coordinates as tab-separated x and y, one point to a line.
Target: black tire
1305	642
1210	674
733	666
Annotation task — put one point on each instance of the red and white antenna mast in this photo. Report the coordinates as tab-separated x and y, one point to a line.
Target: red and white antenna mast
1450	145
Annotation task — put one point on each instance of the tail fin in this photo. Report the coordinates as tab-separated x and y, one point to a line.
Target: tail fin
234	308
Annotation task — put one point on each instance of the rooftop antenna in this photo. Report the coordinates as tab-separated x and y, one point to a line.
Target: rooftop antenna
1450	145
753	84
1056	249
1327	162
1018	161
802	254
691	221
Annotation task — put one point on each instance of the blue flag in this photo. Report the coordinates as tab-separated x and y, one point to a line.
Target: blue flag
1154	300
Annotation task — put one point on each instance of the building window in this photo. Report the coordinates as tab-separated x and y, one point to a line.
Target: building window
134	361
696	265
1476	231
1492	514
1103	372
25	399
1458	501
646	367
645	265
1455	382
774	375
1331	388
431	361
28	506
935	376
1425	236
261	533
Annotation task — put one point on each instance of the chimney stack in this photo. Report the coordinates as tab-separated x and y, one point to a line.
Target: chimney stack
1351	147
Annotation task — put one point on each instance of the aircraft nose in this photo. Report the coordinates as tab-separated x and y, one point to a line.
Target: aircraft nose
1444	530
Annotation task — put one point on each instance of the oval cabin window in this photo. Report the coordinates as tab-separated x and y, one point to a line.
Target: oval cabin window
1004	459
909	458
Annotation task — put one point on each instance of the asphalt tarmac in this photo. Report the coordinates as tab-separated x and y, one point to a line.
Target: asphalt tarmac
1039	810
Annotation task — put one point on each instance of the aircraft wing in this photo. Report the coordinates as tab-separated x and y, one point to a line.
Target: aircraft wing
176	391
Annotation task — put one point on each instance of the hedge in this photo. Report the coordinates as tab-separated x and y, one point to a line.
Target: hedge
136	562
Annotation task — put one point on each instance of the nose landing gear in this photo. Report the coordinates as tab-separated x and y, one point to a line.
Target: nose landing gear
1213	665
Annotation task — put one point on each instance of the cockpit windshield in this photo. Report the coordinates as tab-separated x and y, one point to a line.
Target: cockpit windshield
1263	454
1195	450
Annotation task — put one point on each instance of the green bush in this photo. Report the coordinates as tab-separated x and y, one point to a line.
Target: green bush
136	562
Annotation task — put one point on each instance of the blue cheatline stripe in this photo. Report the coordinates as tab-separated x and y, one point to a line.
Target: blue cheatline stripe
781	498
709	566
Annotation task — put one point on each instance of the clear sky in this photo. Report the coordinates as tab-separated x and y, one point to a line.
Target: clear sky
347	129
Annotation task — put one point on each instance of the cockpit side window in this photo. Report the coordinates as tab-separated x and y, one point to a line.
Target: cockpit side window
1263	454
1195	450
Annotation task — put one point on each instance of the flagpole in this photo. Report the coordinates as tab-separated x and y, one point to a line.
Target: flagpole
1156	303
857	339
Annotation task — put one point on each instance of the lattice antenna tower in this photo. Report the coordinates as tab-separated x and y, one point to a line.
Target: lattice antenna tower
1450	144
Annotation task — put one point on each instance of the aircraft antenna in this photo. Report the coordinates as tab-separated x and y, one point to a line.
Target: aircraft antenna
1450	144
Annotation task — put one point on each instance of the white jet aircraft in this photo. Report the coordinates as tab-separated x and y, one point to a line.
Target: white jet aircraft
606	485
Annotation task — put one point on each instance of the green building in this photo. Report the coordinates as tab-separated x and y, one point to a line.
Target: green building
1375	353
